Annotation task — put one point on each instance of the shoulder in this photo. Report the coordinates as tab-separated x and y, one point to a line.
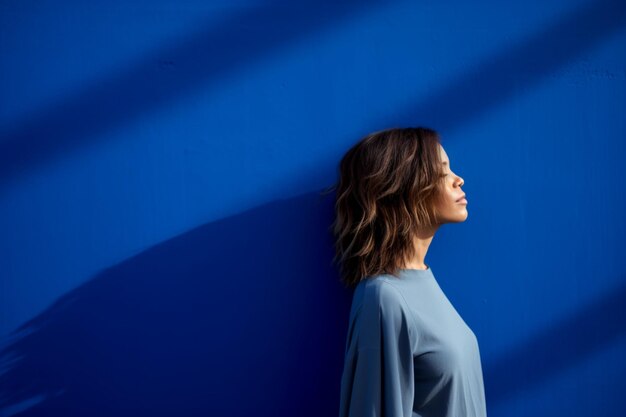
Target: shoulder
380	294
380	304
381	290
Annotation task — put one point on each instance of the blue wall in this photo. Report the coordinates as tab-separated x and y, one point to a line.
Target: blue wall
164	244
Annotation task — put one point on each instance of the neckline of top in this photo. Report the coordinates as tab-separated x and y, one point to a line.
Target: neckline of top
416	272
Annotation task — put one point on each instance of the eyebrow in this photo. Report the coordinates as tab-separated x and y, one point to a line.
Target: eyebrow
444	163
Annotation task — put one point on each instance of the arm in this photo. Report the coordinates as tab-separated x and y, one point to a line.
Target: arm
378	378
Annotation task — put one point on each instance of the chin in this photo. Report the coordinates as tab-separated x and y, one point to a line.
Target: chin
458	217
461	218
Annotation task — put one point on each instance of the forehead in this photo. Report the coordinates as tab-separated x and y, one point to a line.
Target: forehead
444	155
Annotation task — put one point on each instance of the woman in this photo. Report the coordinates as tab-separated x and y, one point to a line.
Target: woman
408	352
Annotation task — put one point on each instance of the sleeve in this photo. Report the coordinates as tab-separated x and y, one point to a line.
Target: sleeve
377	379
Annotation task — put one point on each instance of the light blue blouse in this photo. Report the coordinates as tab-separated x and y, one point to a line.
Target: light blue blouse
408	352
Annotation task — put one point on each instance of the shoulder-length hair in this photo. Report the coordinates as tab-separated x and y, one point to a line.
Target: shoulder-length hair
386	191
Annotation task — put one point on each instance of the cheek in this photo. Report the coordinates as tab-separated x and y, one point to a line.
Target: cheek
446	202
446	199
449	197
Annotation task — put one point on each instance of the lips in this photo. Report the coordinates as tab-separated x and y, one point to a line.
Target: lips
460	198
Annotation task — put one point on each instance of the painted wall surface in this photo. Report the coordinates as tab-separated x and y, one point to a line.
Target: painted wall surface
164	246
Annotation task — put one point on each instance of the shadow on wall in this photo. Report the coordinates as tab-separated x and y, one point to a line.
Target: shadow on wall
558	347
243	316
202	58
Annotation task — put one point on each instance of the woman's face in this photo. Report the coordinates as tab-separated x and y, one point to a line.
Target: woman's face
451	206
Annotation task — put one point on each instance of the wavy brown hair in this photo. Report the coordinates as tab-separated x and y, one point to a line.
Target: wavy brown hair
387	187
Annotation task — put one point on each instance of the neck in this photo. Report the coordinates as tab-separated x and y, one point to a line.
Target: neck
421	243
